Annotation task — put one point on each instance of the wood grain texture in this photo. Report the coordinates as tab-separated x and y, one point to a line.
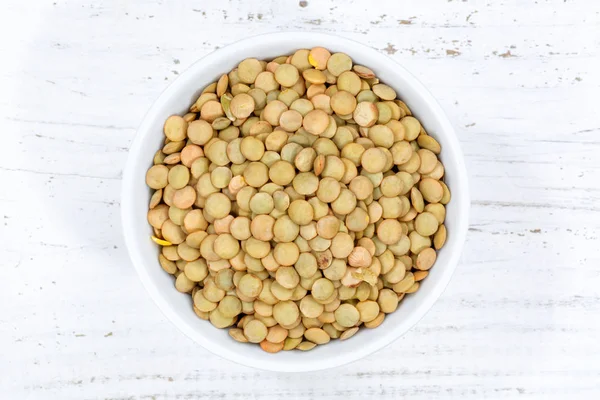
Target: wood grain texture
520	81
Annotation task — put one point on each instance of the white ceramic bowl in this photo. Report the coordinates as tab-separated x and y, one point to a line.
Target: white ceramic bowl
177	307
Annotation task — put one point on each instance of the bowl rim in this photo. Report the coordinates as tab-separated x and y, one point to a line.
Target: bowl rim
127	203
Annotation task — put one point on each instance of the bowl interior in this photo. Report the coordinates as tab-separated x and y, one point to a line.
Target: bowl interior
177	307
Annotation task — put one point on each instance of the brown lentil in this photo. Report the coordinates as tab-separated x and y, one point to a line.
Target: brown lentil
297	201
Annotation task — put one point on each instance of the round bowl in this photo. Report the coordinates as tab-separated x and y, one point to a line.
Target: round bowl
177	306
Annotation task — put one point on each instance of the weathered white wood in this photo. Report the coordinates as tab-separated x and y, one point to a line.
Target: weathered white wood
519	79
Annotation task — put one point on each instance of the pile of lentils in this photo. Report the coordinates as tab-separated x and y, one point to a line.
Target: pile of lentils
297	201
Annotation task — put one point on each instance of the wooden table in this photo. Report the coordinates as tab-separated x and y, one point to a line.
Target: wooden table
520	81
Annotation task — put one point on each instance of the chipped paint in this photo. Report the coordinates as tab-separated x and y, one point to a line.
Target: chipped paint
468	19
390	49
507	54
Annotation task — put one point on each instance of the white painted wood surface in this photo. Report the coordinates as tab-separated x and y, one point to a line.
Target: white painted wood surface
521	318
